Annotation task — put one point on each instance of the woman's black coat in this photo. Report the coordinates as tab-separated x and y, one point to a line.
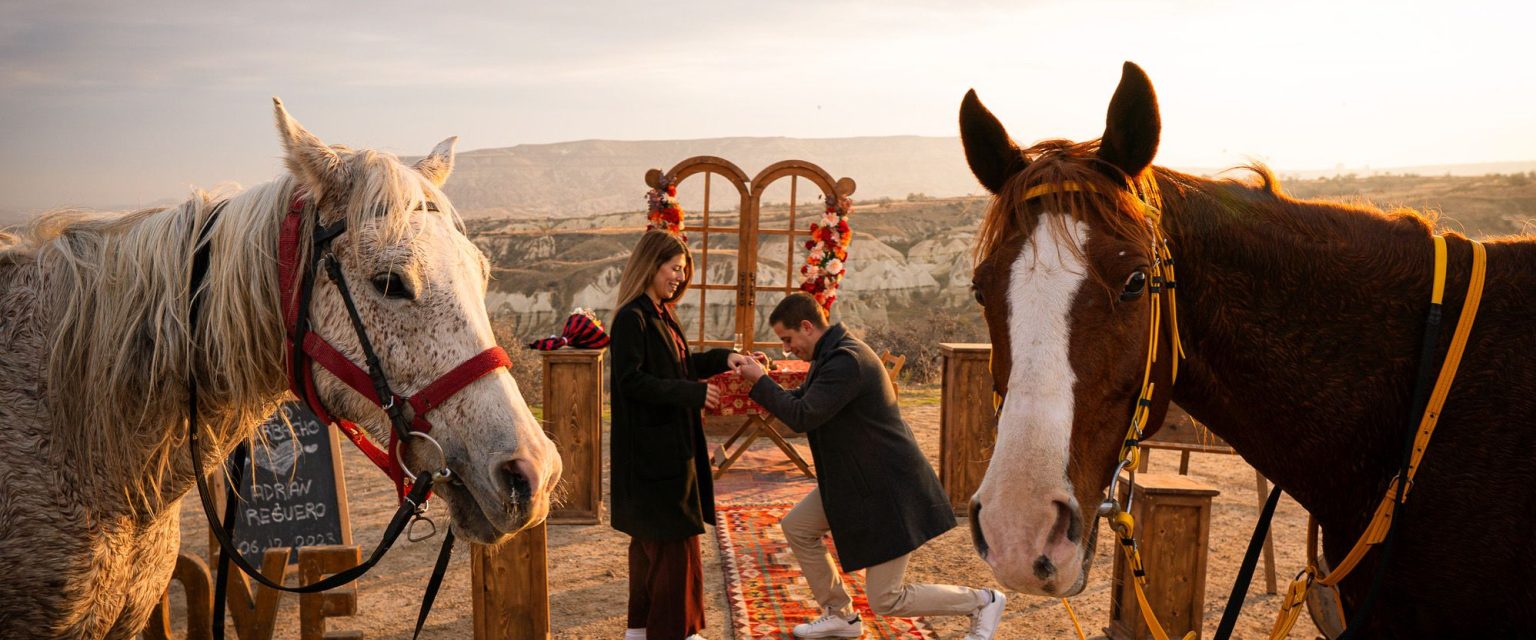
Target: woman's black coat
662	487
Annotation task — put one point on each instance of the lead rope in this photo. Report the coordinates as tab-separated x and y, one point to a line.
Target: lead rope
1381	527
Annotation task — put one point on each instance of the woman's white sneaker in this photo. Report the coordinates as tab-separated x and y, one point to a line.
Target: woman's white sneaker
831	624
634	634
984	620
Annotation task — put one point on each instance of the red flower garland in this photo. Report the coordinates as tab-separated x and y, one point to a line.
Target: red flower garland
665	213
825	265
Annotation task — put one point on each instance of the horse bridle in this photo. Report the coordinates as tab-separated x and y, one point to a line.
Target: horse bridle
1162	282
304	347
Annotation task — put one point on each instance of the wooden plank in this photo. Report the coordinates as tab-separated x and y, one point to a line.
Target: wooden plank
314	564
253	605
194	577
573	418
509	587
967	421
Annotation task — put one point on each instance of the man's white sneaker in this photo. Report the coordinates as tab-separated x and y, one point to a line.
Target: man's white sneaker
984	620
831	625
634	634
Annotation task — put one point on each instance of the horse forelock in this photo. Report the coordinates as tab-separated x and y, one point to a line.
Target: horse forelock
1112	205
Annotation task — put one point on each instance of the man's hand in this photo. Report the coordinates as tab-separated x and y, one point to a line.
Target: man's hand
736	359
750	370
711	397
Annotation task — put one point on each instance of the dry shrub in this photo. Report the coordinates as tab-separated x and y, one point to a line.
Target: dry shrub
918	336
527	366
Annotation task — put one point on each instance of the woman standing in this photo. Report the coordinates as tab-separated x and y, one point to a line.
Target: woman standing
662	488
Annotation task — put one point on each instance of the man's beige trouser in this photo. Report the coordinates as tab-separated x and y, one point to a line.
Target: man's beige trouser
804	527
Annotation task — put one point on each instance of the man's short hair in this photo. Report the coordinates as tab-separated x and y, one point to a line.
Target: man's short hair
796	307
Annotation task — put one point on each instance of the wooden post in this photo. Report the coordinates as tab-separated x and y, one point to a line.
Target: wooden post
509	587
573	418
1173	525
967	421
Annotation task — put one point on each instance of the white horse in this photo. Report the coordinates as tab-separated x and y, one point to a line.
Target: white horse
95	354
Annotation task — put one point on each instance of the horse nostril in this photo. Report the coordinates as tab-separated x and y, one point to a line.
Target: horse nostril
1067	525
519	479
976	536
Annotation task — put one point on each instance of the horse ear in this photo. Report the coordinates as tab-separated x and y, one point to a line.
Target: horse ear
315	164
993	156
1132	128
438	164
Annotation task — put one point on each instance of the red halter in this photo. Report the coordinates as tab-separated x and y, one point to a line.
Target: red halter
310	347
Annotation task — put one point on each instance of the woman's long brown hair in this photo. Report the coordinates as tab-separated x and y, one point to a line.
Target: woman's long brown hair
655	249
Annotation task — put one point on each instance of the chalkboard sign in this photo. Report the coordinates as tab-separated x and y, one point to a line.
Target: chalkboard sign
292	493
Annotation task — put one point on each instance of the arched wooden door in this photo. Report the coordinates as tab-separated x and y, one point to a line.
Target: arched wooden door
779	233
709	312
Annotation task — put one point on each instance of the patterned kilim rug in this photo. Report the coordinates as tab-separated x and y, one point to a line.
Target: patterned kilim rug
767	595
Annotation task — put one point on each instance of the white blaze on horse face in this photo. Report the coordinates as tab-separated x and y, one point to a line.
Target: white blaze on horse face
1026	494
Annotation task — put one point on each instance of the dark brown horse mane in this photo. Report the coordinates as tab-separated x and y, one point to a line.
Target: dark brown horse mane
1255	197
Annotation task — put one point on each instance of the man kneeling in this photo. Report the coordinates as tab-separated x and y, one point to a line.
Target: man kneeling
875	491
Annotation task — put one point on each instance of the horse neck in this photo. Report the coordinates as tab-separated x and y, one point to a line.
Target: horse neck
123	354
1301	324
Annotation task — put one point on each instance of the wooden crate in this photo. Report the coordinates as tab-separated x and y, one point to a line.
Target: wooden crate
967	421
1173	525
573	417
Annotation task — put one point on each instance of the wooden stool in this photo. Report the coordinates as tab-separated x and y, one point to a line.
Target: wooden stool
1173	525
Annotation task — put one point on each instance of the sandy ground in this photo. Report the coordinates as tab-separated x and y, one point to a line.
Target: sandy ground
588	568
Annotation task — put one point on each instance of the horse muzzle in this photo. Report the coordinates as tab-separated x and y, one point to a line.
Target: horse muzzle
1038	551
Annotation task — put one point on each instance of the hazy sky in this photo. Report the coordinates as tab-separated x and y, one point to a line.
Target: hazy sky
122	103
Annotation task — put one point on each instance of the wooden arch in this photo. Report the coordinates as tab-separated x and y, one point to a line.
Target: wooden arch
791	232
710	236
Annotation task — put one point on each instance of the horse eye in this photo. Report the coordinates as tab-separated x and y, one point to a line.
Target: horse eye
1135	285
977	292
390	285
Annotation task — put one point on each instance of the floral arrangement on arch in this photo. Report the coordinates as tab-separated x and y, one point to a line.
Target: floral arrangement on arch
826	263
664	211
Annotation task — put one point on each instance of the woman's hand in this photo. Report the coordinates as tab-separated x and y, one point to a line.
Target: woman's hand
711	397
736	360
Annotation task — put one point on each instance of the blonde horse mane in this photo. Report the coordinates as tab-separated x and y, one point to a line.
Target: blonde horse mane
115	290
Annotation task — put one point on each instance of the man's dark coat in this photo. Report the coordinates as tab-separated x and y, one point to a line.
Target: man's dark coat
882	498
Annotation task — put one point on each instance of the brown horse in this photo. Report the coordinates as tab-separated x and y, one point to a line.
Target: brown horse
95	353
1301	323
